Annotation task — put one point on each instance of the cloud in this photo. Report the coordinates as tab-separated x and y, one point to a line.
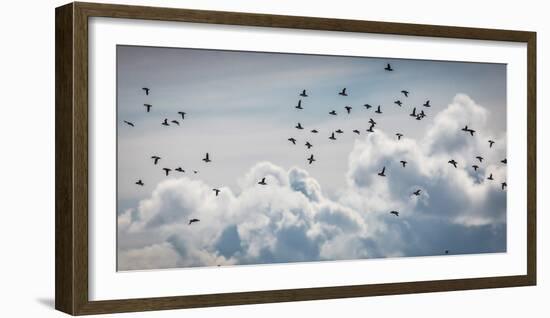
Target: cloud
291	220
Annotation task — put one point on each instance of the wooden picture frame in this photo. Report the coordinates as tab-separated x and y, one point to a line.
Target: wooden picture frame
71	221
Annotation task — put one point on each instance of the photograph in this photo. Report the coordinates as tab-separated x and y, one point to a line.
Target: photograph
229	158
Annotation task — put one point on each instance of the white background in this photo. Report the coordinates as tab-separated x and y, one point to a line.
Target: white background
27	161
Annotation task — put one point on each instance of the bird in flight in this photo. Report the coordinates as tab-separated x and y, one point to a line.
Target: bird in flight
217	191
195	171
343	92
262	182
398	103
292	140
146	89
480	158
179	169
139	182
339	131
371	121
418	117
314	131
399	135
371	128
367	106
167	170
504	161
311	159
332	112
475	167
332	137
206	158
404	163
413	114
348	109
406	93
182	115
148	106
417	192
175	122
299	126
422	114
129	123
382	173
490	177
165	122
303	94
378	111
427	103
491	143
193	221
356	131
504	185
299	106
388	68
155	159
453	162
466	129
394	213
308	145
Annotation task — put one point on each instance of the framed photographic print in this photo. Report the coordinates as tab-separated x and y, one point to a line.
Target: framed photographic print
218	158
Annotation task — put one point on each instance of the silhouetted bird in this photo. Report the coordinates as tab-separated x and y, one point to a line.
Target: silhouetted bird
427	103
129	123
466	129
480	158
490	177
332	112
206	158
311	159
262	182
155	159
475	167
418	117
406	93
299	126
299	106
339	131
179	169
217	191
308	145
404	163
394	213
413	114
388	68
422	114
378	111
148	106
446	251
343	92
491	143
195	171
382	173
165	122
371	128
348	109
182	115
399	135
167	170
367	106
504	185
175	122
356	131
332	137
314	131
398	103
139	182
193	221
417	192
292	140
453	162
146	89
504	161
303	94
371	121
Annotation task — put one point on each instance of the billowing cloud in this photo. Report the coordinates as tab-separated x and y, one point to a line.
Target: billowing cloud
292	220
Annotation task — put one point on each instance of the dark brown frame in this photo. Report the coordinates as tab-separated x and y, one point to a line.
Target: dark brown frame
71	158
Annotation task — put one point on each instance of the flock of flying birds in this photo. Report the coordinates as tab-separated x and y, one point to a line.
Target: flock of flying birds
417	115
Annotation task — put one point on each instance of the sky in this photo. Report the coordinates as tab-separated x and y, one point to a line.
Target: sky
240	108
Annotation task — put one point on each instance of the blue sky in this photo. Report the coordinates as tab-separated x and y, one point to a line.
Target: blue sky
240	109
